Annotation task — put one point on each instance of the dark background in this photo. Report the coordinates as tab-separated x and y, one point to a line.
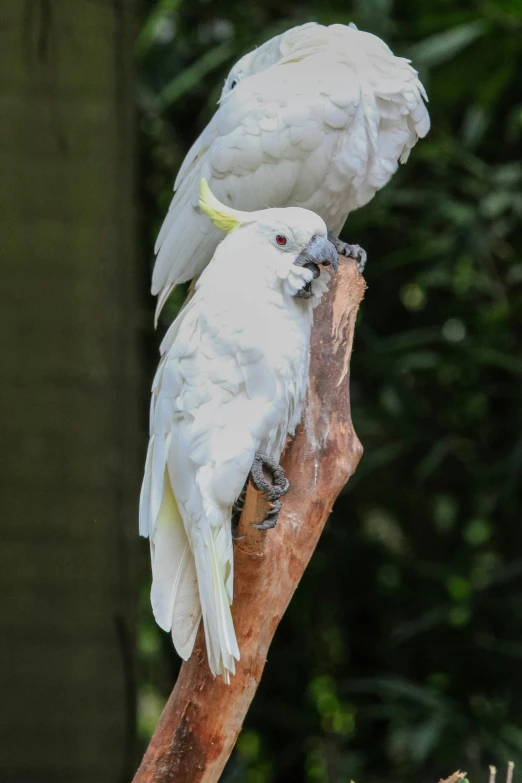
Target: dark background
400	657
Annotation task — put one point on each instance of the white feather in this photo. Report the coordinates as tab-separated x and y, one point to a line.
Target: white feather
231	382
174	592
320	118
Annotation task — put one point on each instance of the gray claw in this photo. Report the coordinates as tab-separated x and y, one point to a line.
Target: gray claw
360	256
273	490
271	518
237	510
350	251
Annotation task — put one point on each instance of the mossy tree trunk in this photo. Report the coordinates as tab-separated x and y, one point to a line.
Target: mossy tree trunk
69	433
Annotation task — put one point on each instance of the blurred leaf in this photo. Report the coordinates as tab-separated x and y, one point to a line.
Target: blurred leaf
425	737
191	76
444	46
147	35
477	532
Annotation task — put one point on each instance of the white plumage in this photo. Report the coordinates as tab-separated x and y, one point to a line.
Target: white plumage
231	382
318	117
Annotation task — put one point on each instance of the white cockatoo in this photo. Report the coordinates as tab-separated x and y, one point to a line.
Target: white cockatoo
228	390
318	117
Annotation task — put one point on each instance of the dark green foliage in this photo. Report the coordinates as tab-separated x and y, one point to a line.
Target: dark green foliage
400	657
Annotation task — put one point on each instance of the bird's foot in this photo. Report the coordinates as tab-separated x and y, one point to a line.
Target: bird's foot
271	517
237	510
272	488
351	251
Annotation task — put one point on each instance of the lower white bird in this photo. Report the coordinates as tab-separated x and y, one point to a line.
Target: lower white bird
229	389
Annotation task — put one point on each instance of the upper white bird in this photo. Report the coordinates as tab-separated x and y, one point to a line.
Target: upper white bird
229	388
318	117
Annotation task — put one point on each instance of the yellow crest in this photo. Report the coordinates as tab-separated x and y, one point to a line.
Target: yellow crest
223	217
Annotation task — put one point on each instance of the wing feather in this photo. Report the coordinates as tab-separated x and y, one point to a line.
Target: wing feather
324	128
211	400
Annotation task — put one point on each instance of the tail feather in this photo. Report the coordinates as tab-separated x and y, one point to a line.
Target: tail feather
193	582
174	593
214	575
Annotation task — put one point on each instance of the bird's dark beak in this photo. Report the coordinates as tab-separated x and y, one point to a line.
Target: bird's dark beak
318	252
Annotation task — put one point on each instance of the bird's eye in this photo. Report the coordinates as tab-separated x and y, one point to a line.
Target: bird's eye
233	84
281	239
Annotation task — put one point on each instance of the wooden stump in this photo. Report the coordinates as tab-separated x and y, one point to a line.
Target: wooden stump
203	717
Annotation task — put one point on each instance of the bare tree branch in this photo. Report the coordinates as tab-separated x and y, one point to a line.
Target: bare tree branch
203	717
455	778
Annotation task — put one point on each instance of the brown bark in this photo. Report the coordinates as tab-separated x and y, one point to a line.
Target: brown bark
455	778
202	719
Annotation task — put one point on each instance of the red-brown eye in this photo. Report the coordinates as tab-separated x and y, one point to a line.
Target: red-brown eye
281	239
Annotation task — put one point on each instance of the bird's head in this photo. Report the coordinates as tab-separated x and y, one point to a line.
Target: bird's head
290	244
294	45
264	56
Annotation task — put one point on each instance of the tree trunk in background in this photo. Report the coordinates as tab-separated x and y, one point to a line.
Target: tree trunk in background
70	456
